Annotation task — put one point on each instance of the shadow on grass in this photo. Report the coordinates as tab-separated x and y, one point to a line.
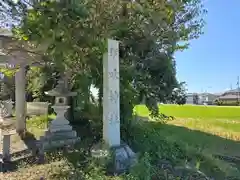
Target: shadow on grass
13	166
198	139
29	155
79	157
30	140
179	143
162	141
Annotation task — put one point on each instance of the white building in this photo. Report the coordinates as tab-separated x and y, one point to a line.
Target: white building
200	98
190	98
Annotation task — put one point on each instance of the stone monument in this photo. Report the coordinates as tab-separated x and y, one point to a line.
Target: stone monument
59	132
122	157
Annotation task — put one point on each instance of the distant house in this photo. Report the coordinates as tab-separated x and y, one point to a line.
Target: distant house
200	98
230	96
189	98
192	98
207	98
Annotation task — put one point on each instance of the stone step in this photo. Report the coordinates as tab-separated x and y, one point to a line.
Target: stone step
21	156
49	144
60	135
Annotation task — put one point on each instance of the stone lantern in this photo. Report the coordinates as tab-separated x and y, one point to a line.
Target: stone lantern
59	133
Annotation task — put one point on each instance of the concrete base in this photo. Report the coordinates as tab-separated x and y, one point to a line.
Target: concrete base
57	139
5	154
117	159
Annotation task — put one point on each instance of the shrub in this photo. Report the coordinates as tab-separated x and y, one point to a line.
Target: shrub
227	103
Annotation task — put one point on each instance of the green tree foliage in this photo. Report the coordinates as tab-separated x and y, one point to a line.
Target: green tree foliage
150	32
39	80
195	99
179	94
7	88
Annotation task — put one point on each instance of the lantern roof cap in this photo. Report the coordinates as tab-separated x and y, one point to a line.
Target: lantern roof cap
60	91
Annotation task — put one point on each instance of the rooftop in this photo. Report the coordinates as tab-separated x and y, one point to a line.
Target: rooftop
228	96
233	90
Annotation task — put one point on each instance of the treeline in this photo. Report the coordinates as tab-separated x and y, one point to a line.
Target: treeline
226	103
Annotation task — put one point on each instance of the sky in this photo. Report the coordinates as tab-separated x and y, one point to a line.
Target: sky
212	62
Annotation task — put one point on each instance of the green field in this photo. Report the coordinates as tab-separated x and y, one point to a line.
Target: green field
196	111
210	129
220	121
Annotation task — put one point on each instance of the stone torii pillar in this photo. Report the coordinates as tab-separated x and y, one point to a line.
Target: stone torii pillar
16	58
20	54
20	99
20	94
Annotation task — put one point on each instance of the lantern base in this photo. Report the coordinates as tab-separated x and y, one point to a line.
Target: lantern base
59	133
56	140
60	123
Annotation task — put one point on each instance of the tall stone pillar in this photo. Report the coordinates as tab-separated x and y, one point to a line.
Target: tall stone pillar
111	105
20	99
122	156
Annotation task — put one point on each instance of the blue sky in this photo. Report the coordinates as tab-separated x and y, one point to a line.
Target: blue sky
212	63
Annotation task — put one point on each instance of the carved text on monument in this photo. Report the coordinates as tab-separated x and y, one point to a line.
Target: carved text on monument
113	117
114	75
114	96
114	52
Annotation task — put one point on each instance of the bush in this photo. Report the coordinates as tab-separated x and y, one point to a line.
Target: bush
226	103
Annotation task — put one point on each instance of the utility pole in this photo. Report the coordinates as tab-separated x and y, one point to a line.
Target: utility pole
238	89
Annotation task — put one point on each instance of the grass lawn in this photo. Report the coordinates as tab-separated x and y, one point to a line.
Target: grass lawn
194	111
209	129
217	120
